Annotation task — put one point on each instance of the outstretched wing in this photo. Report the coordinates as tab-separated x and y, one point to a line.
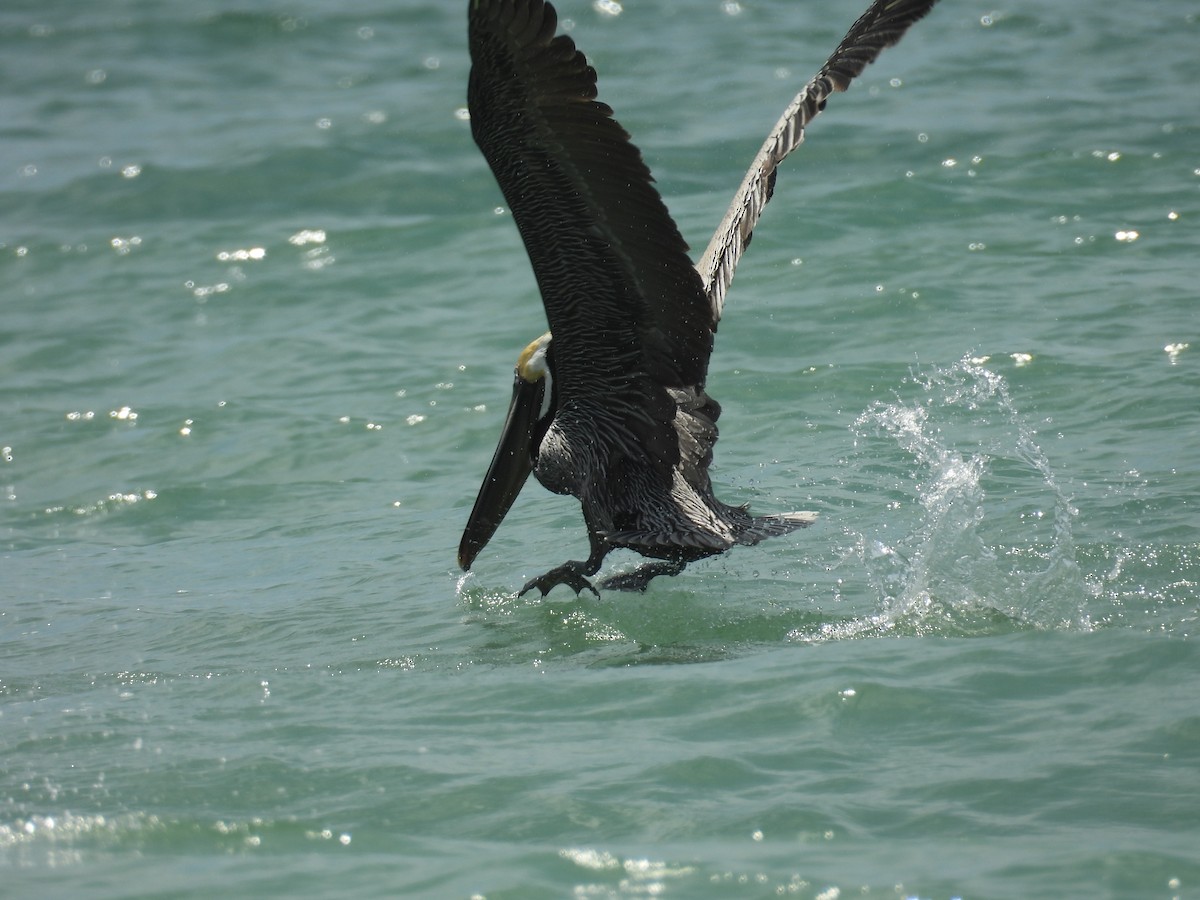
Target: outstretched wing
881	26
621	294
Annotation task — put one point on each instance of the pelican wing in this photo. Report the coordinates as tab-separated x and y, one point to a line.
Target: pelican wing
622	297
881	26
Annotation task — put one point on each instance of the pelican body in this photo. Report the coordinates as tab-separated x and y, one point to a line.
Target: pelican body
610	404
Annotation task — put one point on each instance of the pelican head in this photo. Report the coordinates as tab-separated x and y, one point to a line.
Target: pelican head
532	366
514	457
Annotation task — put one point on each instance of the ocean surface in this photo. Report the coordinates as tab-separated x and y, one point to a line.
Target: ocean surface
261	302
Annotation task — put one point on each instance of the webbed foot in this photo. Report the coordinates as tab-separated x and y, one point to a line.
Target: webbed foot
569	573
639	578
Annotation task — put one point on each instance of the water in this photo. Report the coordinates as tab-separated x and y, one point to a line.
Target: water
259	318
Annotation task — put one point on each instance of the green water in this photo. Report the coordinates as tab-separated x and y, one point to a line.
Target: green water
261	307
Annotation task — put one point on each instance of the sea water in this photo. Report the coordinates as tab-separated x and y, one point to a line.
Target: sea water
261	304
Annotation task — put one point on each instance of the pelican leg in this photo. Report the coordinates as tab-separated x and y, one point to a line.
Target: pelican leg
639	578
571	573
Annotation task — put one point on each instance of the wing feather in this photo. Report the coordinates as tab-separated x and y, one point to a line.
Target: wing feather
881	26
622	297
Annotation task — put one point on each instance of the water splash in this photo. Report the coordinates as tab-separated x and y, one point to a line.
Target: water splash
985	528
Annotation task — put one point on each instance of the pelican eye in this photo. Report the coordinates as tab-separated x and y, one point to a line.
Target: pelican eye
531	364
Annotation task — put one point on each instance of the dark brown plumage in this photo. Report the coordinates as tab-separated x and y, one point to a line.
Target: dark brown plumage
629	429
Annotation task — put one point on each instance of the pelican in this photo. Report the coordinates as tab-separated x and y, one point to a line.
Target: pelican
610	405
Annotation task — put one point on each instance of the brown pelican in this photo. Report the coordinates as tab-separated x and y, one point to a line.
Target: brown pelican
612	409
